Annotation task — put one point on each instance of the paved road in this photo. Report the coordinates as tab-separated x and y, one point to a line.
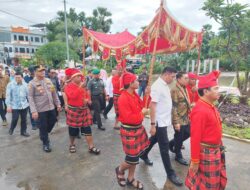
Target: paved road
23	164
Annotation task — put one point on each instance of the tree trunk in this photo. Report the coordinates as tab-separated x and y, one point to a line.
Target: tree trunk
246	81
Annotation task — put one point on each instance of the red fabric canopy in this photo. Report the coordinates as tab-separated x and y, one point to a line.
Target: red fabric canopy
173	37
115	41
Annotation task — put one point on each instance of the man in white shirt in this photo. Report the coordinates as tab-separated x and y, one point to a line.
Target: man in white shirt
109	93
160	115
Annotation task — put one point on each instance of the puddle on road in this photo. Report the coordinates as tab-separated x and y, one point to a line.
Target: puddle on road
5	185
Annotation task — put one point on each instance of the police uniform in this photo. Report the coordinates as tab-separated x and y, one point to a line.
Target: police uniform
96	88
42	99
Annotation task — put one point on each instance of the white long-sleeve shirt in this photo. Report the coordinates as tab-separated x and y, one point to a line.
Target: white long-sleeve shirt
109	87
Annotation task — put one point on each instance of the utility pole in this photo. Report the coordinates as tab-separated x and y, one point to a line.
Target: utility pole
66	31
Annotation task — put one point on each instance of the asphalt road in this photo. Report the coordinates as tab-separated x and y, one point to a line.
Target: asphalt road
23	164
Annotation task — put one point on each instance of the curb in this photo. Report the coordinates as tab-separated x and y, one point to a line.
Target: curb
236	138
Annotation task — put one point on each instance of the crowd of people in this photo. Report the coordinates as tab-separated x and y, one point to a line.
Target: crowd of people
188	107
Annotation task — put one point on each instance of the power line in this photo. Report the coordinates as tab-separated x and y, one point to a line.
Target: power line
8	13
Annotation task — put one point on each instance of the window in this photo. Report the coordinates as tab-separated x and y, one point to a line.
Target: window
10	49
32	50
22	50
27	50
21	38
26	38
42	39
16	50
15	38
37	39
31	38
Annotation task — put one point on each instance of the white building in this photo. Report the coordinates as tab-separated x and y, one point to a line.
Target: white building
21	42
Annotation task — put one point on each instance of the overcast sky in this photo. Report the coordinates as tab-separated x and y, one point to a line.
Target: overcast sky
130	14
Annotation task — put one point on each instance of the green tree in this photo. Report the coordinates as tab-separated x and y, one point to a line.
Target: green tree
54	54
233	40
100	21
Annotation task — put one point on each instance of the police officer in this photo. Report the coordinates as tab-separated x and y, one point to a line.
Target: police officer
97	92
42	99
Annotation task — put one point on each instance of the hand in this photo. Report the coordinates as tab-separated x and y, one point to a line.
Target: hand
35	115
59	108
194	167
152	130
89	102
145	111
194	89
9	110
177	127
66	107
148	90
107	98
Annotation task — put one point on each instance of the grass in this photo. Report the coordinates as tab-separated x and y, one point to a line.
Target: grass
238	132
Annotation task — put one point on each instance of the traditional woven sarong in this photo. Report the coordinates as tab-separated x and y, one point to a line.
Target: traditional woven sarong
211	174
115	98
134	140
78	117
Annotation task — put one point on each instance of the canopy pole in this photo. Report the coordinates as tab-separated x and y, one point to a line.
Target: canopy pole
83	51
153	59
198	61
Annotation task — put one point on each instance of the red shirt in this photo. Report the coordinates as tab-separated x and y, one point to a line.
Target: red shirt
193	96
76	95
206	127
130	107
116	84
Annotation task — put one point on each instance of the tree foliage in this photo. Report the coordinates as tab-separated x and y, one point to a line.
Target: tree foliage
233	40
54	54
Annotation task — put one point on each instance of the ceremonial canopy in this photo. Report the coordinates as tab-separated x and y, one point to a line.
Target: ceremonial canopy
171	37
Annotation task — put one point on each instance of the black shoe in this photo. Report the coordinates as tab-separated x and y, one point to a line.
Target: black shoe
101	128
181	161
11	132
105	116
147	161
175	180
34	128
25	134
46	148
171	147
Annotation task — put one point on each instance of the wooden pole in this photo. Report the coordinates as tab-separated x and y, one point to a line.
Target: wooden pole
83	51
198	60
151	69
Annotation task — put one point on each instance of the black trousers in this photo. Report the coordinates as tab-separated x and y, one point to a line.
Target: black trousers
47	121
109	106
179	138
15	116
3	109
97	102
161	137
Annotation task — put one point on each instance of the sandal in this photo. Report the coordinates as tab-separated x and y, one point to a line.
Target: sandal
121	180
72	148
94	150
138	185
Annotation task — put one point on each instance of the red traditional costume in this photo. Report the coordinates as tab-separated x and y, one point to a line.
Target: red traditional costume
193	95
116	91
133	134
78	113
206	143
